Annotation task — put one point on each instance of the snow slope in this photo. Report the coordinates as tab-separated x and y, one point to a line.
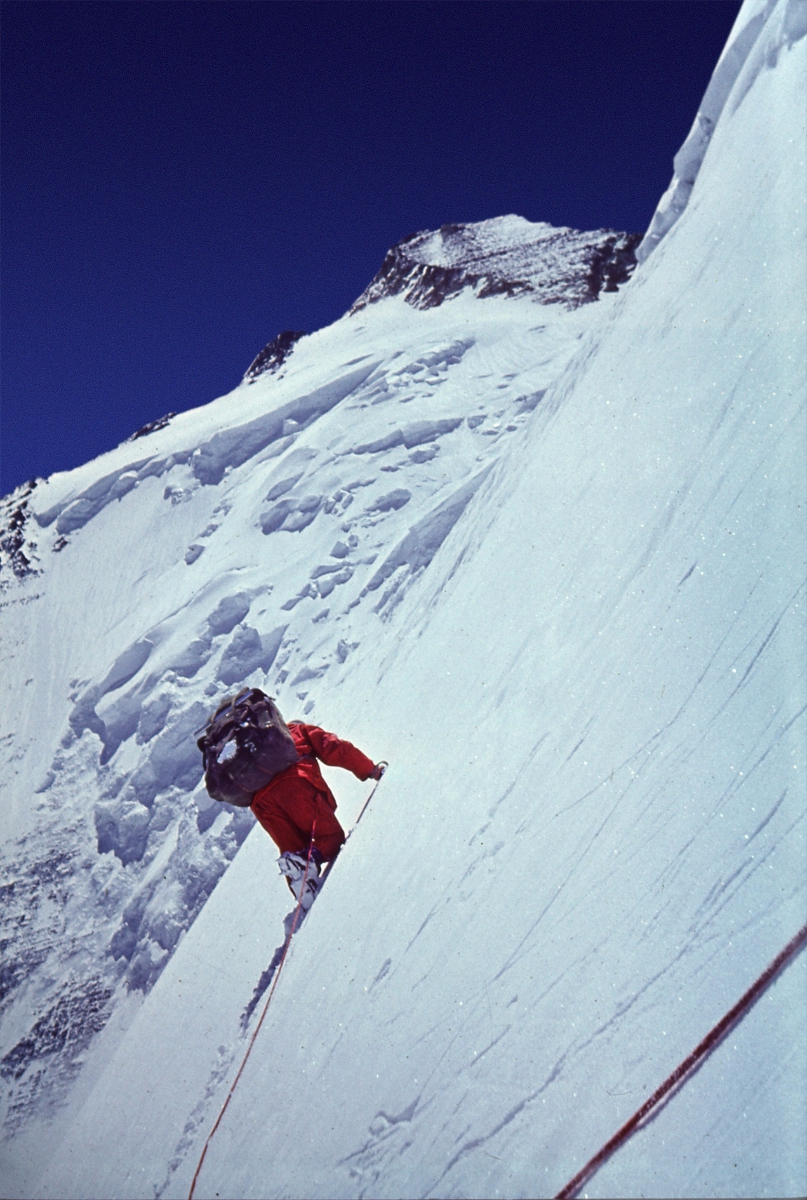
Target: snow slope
583	654
268	538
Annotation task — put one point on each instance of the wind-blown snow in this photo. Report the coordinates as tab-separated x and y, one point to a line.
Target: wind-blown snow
574	626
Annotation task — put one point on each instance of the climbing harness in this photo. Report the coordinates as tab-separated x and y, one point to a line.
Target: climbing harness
256	1030
684	1069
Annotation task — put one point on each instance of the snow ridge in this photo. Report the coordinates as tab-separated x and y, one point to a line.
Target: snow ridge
763	29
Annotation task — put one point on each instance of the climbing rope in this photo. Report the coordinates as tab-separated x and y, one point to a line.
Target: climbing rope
685	1069
256	1030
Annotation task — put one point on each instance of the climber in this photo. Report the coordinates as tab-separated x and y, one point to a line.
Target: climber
297	808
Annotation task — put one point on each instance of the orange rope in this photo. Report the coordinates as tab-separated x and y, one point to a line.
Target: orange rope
703	1049
234	1083
255	1032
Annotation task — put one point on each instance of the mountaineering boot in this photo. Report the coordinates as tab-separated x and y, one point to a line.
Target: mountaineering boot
302	875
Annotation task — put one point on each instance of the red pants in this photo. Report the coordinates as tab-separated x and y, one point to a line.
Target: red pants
290	812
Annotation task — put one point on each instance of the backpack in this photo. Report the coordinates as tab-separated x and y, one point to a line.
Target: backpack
245	743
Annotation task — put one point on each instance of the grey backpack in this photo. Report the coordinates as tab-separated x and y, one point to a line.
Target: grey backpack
245	743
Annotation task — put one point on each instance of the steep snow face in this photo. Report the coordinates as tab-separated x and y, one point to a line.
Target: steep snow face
587	669
504	256
268	538
588	674
764	29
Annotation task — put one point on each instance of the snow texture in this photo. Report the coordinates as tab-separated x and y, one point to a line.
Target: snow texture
246	552
569	611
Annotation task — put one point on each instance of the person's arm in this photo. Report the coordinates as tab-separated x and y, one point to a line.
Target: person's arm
335	752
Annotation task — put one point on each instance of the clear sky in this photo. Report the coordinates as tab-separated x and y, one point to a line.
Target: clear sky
183	180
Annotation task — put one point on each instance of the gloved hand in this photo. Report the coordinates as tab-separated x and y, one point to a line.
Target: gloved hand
379	770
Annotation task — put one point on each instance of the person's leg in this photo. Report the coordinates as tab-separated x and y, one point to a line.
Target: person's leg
286	814
279	812
304	810
292	815
329	836
302	867
284	833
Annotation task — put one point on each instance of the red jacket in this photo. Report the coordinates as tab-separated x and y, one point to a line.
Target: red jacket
314	743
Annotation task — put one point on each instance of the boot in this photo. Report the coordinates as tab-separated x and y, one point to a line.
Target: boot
302	875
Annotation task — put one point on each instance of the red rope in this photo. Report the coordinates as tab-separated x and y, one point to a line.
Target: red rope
234	1083
271	990
685	1068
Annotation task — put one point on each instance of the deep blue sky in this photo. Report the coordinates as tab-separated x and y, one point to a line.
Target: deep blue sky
181	181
